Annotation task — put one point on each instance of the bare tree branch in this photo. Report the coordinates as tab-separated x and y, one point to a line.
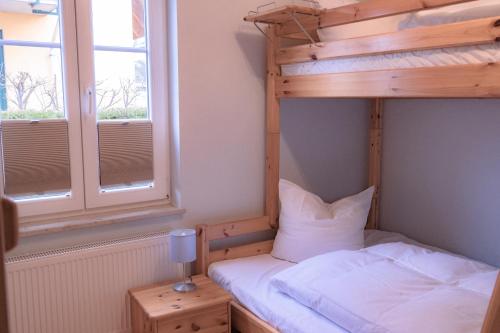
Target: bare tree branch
106	97
130	92
48	95
23	86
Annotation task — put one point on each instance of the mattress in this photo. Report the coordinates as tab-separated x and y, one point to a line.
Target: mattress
248	280
466	55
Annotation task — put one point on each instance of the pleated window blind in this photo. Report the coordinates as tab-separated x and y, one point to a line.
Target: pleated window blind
125	153
35	157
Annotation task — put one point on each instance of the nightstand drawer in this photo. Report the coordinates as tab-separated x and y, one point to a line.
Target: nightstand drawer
215	320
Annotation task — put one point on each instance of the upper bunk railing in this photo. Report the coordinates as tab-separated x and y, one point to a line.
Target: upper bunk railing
358	12
477	80
473	32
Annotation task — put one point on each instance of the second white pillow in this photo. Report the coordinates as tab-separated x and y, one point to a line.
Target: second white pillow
309	227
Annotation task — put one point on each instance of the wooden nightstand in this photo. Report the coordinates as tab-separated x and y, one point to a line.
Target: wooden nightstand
159	309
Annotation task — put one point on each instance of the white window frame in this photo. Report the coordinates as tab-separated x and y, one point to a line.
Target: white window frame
77	51
155	11
75	201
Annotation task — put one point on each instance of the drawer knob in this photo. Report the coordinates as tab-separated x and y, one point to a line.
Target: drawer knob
195	327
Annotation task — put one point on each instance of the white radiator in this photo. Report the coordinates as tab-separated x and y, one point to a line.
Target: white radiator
84	289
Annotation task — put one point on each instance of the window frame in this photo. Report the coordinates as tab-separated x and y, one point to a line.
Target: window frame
155	11
69	66
77	54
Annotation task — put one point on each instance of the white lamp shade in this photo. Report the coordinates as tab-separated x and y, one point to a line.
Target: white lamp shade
182	245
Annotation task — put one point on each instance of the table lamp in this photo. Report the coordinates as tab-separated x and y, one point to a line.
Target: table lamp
182	249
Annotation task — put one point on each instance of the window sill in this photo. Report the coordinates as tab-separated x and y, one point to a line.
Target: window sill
93	220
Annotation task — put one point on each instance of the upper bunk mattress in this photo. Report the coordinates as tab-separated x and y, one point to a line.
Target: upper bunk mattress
248	280
466	55
481	54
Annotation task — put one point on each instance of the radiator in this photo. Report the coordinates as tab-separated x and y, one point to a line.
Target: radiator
84	289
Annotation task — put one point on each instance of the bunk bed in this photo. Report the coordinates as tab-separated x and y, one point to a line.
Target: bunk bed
376	67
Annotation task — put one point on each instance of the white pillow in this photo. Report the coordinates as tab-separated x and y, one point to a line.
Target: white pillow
309	227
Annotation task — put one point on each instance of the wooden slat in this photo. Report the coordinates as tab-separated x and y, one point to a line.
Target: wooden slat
282	14
202	249
236	228
272	130
375	160
272	178
463	81
474	32
492	320
303	37
249	250
363	11
246	322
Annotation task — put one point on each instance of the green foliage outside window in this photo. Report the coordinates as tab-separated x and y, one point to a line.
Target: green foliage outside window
113	113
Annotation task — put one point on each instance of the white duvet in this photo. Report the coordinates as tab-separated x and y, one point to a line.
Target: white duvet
393	287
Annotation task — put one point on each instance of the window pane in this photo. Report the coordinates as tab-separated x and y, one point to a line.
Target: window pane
30	20
121	85
127	28
30	60
31	83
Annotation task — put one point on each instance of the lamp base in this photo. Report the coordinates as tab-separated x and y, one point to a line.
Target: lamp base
184	287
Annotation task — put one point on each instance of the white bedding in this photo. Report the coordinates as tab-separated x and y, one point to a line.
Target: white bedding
248	279
429	58
393	288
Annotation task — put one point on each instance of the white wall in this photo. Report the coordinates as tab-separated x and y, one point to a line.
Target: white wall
222	70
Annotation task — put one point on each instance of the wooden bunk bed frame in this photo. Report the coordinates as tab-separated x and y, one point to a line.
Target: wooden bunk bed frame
295	22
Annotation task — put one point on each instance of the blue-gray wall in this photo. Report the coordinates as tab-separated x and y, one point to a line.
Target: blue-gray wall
323	143
441	165
441	174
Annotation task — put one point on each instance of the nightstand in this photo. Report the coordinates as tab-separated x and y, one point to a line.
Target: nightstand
159	309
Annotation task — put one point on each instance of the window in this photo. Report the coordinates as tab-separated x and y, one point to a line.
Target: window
83	106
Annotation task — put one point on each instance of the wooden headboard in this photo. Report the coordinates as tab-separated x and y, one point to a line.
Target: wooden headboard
208	233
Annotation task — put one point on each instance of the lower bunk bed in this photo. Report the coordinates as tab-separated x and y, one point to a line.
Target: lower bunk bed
260	307
249	281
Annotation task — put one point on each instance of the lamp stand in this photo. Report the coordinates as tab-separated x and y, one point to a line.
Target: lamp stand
186	285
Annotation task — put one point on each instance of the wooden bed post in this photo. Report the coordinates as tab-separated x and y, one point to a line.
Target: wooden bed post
492	321
375	160
202	249
272	129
